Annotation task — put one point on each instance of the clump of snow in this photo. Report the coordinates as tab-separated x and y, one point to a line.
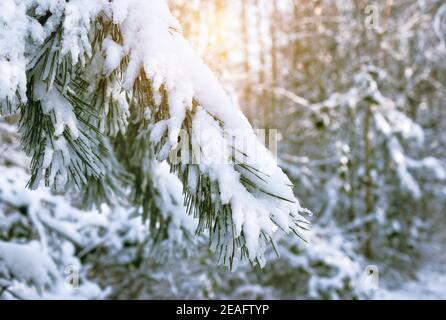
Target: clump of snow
170	201
28	262
78	16
58	108
36	269
12	49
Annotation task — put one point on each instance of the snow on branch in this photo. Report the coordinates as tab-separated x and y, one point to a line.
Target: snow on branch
246	194
121	71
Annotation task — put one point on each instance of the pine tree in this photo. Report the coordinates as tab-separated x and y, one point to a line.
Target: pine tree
107	90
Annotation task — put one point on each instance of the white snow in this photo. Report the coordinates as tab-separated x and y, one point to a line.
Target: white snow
113	55
78	16
28	262
12	49
171	203
56	106
153	40
428	281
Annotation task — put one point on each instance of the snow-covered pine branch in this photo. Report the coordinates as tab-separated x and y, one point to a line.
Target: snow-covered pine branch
86	75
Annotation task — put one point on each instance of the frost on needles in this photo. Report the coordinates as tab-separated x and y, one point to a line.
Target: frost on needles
106	90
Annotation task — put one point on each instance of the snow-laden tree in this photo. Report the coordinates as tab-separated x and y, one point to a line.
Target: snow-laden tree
108	89
379	179
51	249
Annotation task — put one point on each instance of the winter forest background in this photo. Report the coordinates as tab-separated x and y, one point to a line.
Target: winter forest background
92	94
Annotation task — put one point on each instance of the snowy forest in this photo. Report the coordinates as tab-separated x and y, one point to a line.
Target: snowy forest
222	149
